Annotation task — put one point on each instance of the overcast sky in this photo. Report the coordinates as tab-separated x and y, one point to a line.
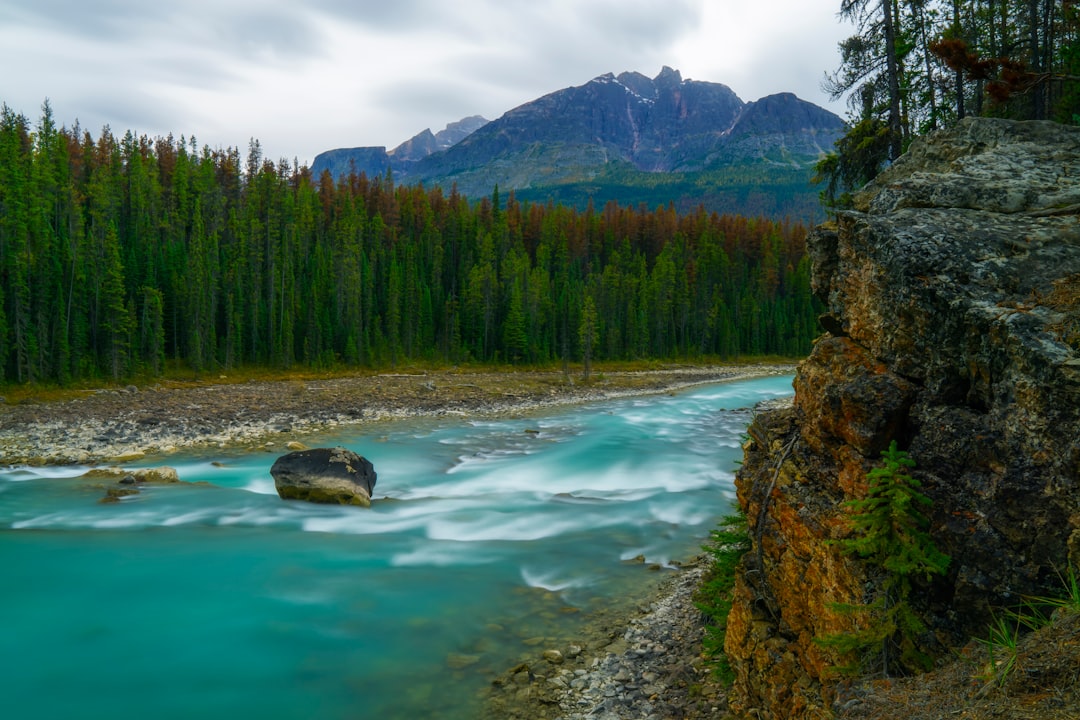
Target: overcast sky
304	76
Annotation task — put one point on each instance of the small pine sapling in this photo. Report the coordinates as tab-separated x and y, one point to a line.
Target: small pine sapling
889	531
728	542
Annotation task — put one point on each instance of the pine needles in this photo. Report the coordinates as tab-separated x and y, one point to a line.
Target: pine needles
728	542
889	531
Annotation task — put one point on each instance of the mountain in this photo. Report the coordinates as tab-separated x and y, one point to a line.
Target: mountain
628	138
375	160
425	143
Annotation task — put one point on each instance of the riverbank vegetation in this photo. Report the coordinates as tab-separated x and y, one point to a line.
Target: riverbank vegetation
123	256
728	542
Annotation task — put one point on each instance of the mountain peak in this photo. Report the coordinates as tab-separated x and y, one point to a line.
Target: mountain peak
425	142
668	76
784	113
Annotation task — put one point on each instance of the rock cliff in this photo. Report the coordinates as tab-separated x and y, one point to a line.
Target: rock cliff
953	326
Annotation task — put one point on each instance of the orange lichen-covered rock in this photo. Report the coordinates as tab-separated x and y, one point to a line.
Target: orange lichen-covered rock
951	331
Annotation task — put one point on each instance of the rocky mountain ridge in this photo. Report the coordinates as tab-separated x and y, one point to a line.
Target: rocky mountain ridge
374	161
425	143
953	317
616	129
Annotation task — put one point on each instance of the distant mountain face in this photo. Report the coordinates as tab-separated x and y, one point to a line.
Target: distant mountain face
616	130
375	160
426	143
372	161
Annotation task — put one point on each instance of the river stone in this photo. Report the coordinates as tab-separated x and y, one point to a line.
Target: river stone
553	656
460	661
163	475
325	475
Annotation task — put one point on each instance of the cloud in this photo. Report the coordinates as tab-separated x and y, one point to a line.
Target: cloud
398	16
309	76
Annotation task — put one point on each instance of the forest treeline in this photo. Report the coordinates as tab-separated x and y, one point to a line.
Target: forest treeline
124	256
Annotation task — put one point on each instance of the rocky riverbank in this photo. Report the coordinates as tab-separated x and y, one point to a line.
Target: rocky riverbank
123	424
645	666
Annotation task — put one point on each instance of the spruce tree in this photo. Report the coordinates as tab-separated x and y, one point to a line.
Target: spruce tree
889	531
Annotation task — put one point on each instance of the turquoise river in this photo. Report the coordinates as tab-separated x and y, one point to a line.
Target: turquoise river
488	538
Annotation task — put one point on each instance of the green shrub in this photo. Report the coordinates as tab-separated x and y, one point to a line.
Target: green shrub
889	532
728	542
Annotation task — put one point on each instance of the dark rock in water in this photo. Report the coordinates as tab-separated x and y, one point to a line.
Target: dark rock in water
325	475
113	494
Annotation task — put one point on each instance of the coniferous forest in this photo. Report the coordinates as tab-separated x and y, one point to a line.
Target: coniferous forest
126	256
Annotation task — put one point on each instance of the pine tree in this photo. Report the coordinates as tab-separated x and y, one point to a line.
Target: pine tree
889	532
116	319
588	333
515	340
152	331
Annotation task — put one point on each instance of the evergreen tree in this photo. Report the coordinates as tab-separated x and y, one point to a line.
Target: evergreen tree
588	332
116	316
152	331
515	339
889	531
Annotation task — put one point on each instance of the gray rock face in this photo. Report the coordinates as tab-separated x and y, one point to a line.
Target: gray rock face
984	164
325	475
372	161
953	296
957	276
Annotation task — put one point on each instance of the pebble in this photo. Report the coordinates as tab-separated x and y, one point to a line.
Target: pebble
553	656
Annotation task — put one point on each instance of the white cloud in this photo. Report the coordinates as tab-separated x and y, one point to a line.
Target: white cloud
305	77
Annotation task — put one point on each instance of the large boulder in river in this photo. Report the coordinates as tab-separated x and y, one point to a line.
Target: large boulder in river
325	475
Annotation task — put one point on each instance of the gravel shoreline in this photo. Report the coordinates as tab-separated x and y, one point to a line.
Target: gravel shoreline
126	424
645	665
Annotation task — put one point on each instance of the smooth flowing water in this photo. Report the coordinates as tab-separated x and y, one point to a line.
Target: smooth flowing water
489	538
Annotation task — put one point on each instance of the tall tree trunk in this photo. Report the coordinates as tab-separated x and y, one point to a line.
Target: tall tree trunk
1038	109
958	76
924	40
892	71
